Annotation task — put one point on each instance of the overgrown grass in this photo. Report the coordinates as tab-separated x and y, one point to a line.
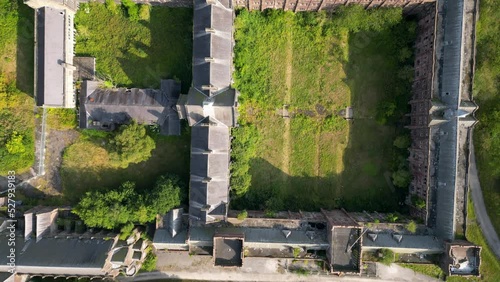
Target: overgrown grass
490	265
318	64
87	166
134	51
140	52
487	95
16	107
61	119
431	270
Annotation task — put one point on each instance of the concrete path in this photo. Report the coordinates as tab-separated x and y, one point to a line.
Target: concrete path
179	265
477	198
395	272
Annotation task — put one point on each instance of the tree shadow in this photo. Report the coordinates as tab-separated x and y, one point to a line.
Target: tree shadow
171	155
25	49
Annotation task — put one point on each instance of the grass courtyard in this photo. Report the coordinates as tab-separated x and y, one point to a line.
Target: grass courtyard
317	65
487	95
132	53
136	53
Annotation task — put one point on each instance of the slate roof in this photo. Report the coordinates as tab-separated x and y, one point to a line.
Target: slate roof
212	45
410	242
210	108
87	255
119	106
50	56
447	140
255	236
209	181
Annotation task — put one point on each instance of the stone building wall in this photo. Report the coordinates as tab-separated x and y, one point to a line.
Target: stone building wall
409	6
420	107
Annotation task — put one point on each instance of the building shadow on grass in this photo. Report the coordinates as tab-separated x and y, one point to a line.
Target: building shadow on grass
310	193
25	49
169	56
376	74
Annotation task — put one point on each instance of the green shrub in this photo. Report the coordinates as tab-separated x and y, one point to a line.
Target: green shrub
124	206
126	231
132	9
111	6
385	256
244	149
15	144
149	263
144	12
411	226
418	202
61	119
296	252
301	271
131	145
242	215
402	141
392	217
401	178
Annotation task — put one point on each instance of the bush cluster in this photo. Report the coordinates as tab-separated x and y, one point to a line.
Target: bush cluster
122	207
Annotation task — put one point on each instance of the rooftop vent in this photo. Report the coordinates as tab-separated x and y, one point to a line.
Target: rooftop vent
372	236
311	234
286	233
397	237
209	87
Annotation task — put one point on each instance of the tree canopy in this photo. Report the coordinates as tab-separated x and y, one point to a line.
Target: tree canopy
125	205
132	144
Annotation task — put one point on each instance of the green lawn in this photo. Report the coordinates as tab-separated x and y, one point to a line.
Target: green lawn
487	95
490	265
136	53
16	72
318	64
86	166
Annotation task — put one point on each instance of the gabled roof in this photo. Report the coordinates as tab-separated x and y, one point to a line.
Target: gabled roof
220	106
212	45
209	183
143	105
50	57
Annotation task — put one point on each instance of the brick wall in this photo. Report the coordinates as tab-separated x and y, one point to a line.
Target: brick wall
420	107
409	6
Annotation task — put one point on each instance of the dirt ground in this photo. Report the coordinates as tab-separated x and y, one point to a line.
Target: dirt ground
57	141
